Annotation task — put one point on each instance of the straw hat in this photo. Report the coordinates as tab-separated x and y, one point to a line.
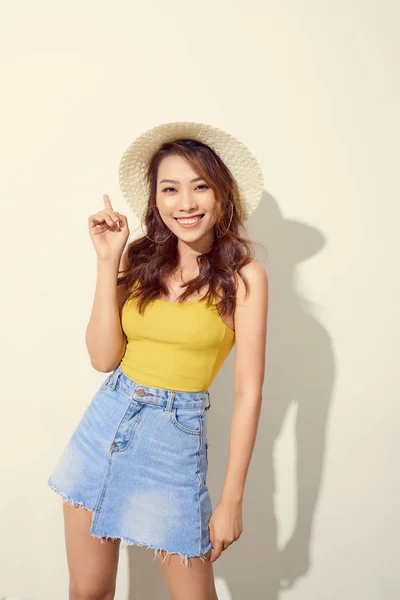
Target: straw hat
237	157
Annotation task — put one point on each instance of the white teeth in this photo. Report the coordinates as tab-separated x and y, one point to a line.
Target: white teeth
188	221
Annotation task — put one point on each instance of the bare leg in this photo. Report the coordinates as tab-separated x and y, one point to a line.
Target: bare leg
192	582
92	564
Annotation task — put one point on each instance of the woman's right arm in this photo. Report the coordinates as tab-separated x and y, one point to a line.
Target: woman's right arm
105	339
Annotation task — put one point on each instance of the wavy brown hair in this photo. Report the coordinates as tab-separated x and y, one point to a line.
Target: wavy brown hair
150	263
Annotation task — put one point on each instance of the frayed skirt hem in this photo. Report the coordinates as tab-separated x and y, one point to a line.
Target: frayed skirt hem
125	541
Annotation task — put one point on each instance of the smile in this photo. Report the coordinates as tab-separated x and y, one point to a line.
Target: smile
189	221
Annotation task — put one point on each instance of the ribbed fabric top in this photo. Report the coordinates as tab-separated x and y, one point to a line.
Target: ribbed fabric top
177	346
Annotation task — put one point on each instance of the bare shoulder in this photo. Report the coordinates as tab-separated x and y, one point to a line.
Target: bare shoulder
257	279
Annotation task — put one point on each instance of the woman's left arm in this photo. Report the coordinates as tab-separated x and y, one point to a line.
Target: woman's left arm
250	340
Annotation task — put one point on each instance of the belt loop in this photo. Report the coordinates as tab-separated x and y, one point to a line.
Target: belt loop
170	402
114	377
209	401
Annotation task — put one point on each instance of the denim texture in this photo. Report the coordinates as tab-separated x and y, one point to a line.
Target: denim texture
138	460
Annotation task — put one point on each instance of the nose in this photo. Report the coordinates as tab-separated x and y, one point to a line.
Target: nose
188	202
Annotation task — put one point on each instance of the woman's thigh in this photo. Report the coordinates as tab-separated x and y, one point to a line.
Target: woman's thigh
192	582
92	563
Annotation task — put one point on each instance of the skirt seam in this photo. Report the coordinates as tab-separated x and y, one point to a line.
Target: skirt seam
107	475
101	496
198	491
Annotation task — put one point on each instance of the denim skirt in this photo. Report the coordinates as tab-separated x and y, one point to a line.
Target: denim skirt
138	460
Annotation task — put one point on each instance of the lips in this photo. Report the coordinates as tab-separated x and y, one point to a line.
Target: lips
191	223
191	217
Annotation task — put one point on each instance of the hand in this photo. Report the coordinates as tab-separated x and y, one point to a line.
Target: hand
225	526
109	232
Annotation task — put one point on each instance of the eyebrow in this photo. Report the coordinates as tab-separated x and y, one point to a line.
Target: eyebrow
174	180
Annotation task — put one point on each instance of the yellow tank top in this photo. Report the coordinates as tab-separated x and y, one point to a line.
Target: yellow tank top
177	346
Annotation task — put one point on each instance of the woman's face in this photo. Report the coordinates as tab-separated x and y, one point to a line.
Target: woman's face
183	197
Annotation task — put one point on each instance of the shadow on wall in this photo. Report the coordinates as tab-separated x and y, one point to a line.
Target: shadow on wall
300	373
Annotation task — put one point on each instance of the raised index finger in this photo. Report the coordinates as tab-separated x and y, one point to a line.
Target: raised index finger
107	202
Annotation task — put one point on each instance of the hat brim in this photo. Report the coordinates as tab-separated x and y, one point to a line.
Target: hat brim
240	161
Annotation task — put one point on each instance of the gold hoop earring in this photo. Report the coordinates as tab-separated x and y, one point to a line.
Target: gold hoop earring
230	221
145	234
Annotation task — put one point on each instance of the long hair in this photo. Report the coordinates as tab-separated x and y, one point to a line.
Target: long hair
150	263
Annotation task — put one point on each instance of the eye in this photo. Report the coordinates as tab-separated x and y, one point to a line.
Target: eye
201	185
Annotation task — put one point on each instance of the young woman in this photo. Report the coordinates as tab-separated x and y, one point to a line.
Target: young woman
167	311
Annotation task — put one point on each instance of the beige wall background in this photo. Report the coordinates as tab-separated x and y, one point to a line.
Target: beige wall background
312	88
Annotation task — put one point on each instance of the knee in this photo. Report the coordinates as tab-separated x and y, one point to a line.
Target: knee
87	591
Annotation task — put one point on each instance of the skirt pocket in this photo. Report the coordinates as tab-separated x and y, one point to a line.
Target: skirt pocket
187	420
